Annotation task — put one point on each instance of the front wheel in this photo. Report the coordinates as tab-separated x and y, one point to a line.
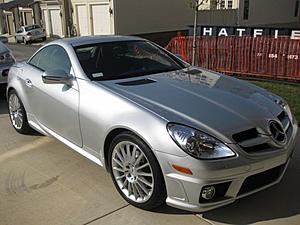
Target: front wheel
17	113
135	172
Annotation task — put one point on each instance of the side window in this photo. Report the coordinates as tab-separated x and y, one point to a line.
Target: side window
20	30
34	61
52	57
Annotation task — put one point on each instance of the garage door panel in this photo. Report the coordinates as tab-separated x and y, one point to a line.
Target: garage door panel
28	18
56	22
100	19
46	21
82	20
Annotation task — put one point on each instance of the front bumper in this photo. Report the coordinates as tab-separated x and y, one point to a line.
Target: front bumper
239	177
4	72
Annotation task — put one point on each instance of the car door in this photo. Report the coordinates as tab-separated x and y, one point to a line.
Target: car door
55	106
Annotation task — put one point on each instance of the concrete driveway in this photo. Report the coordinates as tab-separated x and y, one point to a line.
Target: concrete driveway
44	182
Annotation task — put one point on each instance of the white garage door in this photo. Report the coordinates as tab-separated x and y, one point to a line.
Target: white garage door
82	20
56	22
100	19
46	21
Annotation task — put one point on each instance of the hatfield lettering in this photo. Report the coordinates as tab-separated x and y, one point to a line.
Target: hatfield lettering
255	32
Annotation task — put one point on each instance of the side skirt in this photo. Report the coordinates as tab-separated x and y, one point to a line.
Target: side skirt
47	131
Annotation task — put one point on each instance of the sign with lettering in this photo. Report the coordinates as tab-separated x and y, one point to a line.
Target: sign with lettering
218	31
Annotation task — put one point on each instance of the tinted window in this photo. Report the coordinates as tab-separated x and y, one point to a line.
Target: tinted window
52	57
118	60
20	30
32	27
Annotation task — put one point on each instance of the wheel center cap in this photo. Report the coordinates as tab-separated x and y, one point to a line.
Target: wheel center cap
131	175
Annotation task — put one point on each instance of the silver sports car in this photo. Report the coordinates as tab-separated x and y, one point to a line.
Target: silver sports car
164	130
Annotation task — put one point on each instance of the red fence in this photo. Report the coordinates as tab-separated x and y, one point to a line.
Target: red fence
265	57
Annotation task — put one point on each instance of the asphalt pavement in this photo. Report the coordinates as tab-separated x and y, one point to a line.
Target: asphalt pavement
22	52
44	182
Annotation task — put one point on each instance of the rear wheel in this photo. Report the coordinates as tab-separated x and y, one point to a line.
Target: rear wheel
25	41
17	113
135	172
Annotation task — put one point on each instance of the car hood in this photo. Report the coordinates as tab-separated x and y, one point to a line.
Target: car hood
203	99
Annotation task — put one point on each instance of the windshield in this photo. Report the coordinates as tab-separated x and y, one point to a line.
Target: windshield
119	60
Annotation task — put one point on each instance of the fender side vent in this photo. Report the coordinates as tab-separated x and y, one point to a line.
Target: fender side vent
137	82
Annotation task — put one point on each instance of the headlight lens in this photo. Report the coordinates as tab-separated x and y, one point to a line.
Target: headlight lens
7	58
198	144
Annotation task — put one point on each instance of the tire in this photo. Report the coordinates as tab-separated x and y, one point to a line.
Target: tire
139	187
16	111
44	38
25	41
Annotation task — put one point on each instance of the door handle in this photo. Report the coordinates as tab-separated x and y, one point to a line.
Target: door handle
28	83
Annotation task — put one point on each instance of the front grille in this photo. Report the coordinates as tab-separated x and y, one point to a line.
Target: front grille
245	135
253	142
281	116
255	145
257	148
260	180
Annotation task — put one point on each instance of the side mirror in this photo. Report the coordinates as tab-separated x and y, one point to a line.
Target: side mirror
57	76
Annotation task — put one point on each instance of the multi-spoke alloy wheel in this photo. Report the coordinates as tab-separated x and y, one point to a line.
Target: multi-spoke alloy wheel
132	171
17	113
135	172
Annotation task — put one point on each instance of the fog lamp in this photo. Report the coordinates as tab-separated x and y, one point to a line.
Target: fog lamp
208	192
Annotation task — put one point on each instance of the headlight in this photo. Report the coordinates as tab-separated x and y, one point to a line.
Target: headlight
7	58
198	144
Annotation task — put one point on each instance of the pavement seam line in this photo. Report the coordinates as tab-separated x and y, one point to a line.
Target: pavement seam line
206	220
107	214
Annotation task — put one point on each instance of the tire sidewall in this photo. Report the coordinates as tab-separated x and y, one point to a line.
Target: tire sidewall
159	185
